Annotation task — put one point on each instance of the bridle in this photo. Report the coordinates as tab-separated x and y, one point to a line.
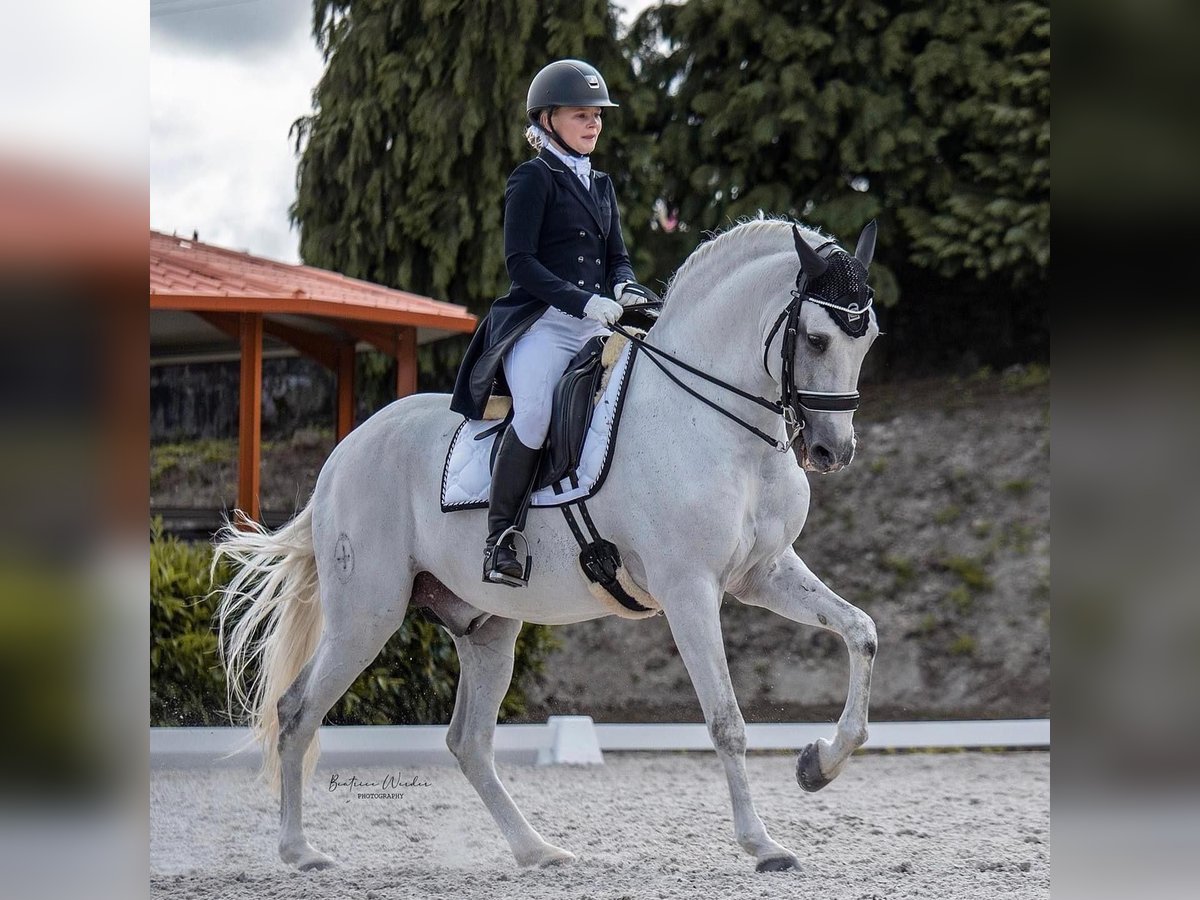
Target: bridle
793	404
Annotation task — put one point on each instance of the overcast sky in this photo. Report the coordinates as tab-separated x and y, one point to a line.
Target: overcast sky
227	79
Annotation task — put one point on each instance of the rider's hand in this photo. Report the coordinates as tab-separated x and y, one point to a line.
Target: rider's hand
629	293
602	309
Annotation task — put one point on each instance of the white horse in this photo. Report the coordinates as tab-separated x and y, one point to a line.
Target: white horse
696	504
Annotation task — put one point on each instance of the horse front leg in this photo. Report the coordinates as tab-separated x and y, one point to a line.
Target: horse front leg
692	611
786	586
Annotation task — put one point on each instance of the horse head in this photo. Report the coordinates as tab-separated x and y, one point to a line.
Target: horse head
731	292
835	326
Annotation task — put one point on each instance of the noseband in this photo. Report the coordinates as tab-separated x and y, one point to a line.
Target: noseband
793	404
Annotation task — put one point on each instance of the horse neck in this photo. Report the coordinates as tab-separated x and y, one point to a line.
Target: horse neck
715	320
720	308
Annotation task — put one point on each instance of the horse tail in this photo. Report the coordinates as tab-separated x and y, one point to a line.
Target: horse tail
268	624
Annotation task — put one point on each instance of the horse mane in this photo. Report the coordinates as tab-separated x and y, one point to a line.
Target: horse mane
745	227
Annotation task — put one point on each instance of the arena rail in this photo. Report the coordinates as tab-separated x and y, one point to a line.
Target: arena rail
576	740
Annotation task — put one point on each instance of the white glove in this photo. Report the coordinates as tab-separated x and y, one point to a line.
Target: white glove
630	293
602	309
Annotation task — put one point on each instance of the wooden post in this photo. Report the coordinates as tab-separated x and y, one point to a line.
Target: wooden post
250	327
345	390
406	361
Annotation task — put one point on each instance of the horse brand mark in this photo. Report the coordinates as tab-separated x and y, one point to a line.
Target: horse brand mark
343	558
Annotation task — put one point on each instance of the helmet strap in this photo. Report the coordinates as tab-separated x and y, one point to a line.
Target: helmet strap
567	148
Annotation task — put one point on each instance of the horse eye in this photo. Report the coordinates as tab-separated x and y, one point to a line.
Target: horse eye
818	342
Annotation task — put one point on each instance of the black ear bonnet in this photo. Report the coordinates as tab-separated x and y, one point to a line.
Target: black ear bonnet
837	280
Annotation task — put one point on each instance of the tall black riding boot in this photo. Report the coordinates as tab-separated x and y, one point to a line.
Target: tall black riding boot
512	483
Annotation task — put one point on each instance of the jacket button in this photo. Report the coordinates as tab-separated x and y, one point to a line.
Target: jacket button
580	283
583	234
581	259
597	262
597	287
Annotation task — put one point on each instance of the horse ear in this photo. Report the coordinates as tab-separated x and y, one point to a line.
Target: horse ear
810	262
865	251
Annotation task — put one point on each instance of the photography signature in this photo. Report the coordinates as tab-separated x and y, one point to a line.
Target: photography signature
393	786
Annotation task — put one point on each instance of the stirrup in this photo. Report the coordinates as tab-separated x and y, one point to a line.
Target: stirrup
492	575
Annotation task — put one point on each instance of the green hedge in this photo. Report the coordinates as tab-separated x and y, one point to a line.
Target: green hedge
412	681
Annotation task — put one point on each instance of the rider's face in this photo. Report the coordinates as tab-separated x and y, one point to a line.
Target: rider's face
579	126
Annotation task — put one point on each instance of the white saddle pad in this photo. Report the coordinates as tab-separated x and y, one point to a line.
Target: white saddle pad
467	477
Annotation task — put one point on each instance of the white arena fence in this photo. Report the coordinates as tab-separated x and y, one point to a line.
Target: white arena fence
576	740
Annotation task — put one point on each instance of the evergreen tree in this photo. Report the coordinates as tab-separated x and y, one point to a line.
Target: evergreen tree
934	120
982	82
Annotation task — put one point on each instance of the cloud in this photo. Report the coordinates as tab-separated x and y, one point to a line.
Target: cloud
221	161
229	27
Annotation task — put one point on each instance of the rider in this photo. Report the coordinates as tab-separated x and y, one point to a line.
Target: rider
564	251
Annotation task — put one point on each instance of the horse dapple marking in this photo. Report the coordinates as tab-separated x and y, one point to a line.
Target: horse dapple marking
693	500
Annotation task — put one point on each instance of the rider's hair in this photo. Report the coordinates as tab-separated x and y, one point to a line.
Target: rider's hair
534	134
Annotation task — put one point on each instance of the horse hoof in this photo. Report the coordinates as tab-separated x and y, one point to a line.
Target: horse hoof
546	856
777	864
317	865
557	858
808	770
306	859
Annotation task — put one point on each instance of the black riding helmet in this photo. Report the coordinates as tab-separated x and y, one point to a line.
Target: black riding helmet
567	82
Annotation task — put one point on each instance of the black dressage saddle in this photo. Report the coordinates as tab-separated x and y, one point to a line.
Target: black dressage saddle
571	413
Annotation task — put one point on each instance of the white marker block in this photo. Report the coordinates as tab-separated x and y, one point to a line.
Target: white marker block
573	742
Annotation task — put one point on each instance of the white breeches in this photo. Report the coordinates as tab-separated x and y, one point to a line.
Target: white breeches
533	366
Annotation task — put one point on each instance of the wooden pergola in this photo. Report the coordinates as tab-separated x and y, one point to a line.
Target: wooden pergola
206	299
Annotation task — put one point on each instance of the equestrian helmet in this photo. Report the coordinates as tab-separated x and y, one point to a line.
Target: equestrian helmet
567	82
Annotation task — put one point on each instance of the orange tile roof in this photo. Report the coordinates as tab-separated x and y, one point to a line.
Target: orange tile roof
190	275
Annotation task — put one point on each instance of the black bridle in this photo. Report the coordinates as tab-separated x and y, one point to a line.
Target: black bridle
793	404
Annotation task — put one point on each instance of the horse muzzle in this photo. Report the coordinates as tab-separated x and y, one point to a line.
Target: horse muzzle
823	457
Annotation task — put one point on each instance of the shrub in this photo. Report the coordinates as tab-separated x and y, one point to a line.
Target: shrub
903	568
947	515
963	645
412	681
1018	486
970	571
960	596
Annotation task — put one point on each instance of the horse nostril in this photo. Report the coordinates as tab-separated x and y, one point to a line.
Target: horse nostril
821	456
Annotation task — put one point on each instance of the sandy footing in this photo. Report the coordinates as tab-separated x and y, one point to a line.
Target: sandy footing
945	825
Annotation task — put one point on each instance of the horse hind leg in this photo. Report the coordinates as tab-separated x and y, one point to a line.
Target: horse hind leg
346	648
486	663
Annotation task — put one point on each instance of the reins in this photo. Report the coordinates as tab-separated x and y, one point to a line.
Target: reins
773	406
